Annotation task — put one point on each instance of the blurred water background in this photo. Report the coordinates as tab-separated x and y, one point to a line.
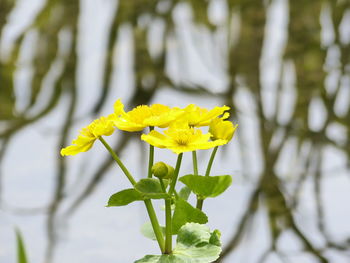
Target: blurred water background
282	66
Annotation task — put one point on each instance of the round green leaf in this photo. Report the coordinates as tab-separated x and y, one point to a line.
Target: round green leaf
147	231
148	185
195	244
150	189
185	193
124	197
185	213
207	186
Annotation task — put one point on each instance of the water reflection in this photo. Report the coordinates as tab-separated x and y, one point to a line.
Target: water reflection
282	66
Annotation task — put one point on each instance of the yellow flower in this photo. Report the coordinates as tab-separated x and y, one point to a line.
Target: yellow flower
221	129
181	138
156	115
162	116
88	135
197	116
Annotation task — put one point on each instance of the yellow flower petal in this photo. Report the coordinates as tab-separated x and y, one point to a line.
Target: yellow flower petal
155	138
133	120
156	115
82	144
118	107
101	126
181	138
162	116
88	135
197	116
221	129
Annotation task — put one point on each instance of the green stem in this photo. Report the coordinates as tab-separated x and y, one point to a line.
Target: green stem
150	210
176	195
195	163
168	228
176	174
119	162
199	203
211	160
155	224
162	184
151	156
195	171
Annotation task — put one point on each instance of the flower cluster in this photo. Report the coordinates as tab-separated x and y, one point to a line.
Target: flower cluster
179	130
182	133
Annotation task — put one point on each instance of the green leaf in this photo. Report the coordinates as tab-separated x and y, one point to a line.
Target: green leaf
215	238
151	189
185	213
195	244
125	197
207	186
149	185
196	241
185	193
21	253
147	230
162	259
128	196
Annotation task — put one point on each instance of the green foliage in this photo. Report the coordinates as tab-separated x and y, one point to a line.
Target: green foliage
185	193
21	253
195	244
186	213
207	186
147	230
124	197
128	196
151	188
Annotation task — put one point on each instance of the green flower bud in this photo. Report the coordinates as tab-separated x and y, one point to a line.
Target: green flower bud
160	170
171	171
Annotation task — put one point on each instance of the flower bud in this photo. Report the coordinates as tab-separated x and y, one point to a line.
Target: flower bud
170	172
221	129
160	170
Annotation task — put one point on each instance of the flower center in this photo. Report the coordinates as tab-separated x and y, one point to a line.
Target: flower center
182	138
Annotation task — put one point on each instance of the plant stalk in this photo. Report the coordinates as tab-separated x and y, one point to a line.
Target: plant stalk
119	162
151	156
162	185
168	227
150	210
195	163
176	174
155	224
210	163
200	202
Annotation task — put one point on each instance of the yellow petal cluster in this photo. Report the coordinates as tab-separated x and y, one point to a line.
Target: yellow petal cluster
88	135
196	116
221	129
180	137
143	116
